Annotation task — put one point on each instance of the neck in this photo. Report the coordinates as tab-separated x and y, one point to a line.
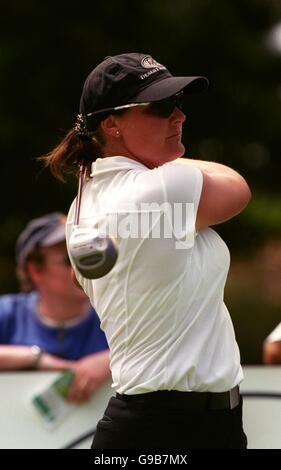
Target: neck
59	310
115	147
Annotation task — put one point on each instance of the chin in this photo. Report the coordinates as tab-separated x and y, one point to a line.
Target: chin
177	151
181	150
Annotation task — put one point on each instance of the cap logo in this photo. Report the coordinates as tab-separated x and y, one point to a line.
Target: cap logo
148	63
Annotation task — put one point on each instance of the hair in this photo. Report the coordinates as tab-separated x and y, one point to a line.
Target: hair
25	282
74	150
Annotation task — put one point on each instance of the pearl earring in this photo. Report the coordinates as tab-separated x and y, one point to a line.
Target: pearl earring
117	133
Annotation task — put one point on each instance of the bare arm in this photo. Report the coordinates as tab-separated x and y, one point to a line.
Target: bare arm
90	371
13	357
225	193
272	353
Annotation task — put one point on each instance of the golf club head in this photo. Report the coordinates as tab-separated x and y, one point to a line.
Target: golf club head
93	253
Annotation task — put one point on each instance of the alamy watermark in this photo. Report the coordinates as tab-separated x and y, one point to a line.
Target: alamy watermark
149	220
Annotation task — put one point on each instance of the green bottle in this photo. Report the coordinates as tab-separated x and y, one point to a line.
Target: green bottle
62	384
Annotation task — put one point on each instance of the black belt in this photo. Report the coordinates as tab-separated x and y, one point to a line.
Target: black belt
192	400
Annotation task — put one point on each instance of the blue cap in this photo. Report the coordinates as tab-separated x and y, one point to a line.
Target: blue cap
43	231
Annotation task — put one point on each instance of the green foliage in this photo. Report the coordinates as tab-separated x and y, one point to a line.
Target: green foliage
265	213
253	319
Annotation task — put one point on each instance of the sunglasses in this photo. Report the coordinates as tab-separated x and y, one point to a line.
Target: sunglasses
166	107
163	108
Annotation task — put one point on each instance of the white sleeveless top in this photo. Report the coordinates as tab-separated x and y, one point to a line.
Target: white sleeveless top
161	306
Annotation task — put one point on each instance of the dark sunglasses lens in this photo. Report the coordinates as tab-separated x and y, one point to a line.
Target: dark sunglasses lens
179	102
162	108
165	108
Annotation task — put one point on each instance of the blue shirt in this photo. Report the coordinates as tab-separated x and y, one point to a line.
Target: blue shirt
21	325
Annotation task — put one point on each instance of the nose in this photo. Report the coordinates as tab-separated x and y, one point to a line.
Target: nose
178	115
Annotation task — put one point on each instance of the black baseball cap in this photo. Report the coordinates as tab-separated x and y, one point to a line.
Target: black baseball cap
47	230
127	79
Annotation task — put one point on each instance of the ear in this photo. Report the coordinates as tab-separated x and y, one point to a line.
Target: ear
34	271
110	126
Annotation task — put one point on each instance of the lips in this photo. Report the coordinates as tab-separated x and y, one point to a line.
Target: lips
178	134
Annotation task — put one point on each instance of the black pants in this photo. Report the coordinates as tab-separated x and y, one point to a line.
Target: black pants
168	425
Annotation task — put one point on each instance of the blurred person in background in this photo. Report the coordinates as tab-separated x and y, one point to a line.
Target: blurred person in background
174	359
50	325
272	347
